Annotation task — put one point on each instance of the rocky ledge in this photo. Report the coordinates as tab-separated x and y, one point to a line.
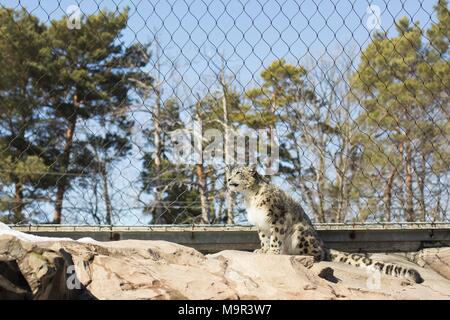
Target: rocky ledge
44	268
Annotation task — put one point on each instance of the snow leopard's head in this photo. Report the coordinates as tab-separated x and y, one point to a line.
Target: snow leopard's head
243	179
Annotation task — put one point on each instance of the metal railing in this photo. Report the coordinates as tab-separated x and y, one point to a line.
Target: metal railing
361	237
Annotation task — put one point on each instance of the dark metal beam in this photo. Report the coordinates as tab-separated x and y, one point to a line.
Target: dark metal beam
404	237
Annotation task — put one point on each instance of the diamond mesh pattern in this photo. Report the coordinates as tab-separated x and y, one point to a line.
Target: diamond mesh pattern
356	93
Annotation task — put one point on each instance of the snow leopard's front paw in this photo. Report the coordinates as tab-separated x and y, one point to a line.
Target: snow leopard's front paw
260	250
274	251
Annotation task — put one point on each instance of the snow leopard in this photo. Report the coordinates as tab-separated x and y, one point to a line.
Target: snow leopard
284	227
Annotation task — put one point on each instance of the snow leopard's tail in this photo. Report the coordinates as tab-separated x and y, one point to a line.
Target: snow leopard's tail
363	260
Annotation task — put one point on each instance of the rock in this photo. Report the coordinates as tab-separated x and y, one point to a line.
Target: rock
35	271
12	284
134	269
328	274
437	259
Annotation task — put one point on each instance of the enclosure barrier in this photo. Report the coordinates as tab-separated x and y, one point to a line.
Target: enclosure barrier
133	112
403	237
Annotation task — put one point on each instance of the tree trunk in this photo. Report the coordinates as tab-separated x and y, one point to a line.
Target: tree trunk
18	203
320	172
439	213
158	155
306	192
203	193
271	143
321	185
200	171
421	176
108	206
226	123
410	216
158	212
388	195
230	205
61	184
341	170
212	195
269	147
340	198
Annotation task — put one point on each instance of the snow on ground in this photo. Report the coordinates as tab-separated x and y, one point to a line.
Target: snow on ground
6	230
88	240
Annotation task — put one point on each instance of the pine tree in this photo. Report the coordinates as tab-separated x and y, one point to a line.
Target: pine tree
283	85
401	83
90	74
22	154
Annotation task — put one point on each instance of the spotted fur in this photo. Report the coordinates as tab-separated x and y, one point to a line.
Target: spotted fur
284	228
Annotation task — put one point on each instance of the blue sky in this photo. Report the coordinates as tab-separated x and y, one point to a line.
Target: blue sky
249	34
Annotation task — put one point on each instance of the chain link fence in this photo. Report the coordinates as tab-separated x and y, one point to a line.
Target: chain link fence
127	113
